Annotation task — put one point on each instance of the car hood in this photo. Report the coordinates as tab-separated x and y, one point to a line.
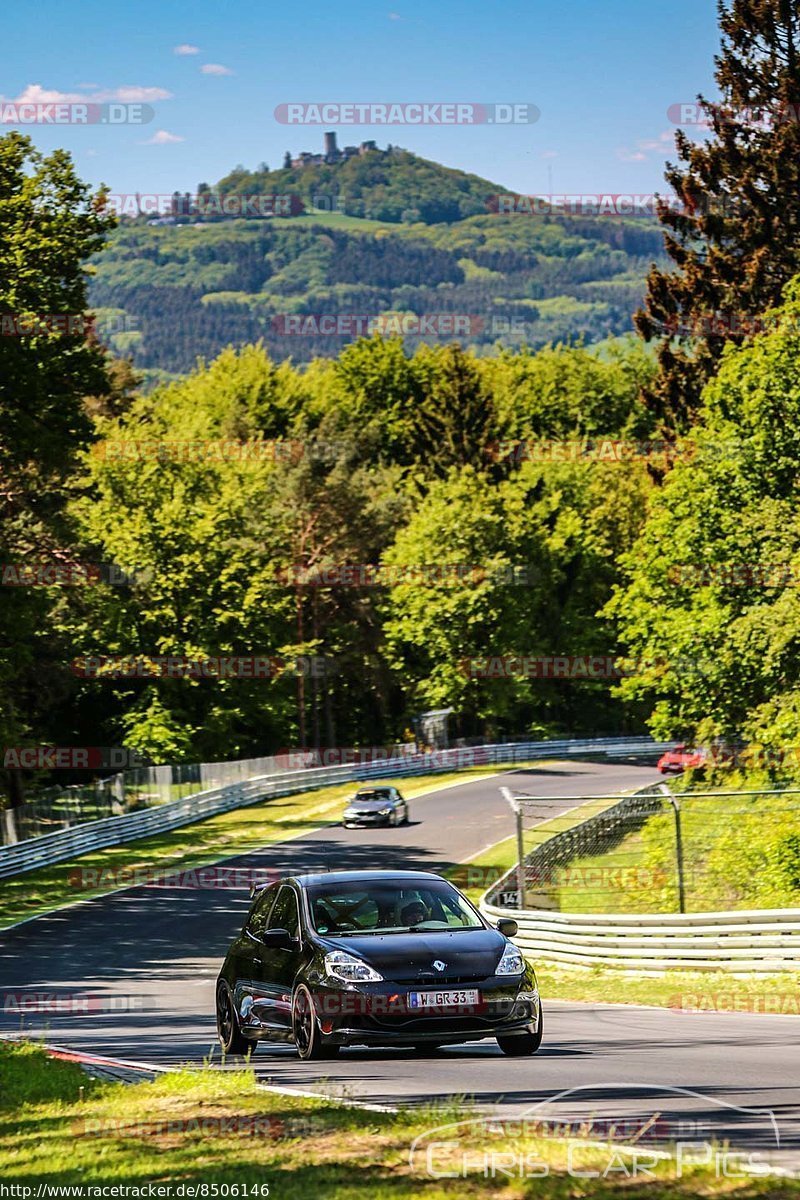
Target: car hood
410	956
369	805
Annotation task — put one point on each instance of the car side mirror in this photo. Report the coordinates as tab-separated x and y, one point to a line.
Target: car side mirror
508	926
278	939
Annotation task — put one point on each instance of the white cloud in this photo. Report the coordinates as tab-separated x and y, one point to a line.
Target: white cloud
34	93
646	147
215	69
134	95
549	154
163	138
395	17
667	137
185	48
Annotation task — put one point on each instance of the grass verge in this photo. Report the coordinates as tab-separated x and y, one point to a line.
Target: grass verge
224	836
682	991
739	852
200	1129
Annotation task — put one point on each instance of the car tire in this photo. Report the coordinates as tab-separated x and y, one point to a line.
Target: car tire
305	1028
523	1044
231	1038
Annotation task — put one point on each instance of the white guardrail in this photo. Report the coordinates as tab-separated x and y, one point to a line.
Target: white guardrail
112	831
760	940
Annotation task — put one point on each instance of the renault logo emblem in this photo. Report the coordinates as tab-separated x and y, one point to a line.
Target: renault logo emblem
438	964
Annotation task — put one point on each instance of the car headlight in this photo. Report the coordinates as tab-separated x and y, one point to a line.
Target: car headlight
341	965
387	812
512	962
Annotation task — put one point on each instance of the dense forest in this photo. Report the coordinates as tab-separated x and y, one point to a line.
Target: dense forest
170	294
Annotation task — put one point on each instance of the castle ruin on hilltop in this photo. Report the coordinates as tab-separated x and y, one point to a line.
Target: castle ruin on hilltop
332	153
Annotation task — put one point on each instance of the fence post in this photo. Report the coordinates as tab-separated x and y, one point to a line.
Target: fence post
676	808
10	837
520	857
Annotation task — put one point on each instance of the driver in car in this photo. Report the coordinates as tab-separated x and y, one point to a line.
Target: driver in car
413	913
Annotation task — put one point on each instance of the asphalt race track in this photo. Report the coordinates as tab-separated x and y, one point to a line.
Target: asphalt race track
148	958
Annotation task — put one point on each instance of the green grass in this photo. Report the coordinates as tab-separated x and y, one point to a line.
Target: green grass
738	852
335	220
706	991
200	844
59	1127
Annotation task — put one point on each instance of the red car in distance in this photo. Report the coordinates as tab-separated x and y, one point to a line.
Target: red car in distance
674	762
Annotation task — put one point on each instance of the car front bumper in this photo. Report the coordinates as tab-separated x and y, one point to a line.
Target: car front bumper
380	1015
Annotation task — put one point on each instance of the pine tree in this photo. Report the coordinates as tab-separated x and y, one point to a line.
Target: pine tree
287	161
734	233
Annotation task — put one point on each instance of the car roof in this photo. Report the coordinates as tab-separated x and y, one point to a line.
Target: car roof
329	877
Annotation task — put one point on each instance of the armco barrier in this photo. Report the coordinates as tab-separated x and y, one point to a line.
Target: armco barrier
748	941
112	831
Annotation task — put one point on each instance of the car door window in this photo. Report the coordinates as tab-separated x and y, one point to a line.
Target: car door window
285	915
257	921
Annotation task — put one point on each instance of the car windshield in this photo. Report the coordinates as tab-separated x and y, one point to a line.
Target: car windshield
372	795
389	907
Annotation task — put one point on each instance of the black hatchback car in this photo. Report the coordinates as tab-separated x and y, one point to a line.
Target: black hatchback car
374	958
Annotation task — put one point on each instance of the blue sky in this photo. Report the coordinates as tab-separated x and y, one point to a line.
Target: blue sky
602	72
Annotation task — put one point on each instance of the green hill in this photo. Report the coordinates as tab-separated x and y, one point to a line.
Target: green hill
385	234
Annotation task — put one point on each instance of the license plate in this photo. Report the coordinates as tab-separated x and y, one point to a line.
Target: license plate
444	999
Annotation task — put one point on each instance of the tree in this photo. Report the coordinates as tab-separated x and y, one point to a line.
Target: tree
456	420
214	542
287	161
50	223
484	570
734	237
710	612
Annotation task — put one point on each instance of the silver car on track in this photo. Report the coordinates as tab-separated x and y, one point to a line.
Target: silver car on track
378	805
